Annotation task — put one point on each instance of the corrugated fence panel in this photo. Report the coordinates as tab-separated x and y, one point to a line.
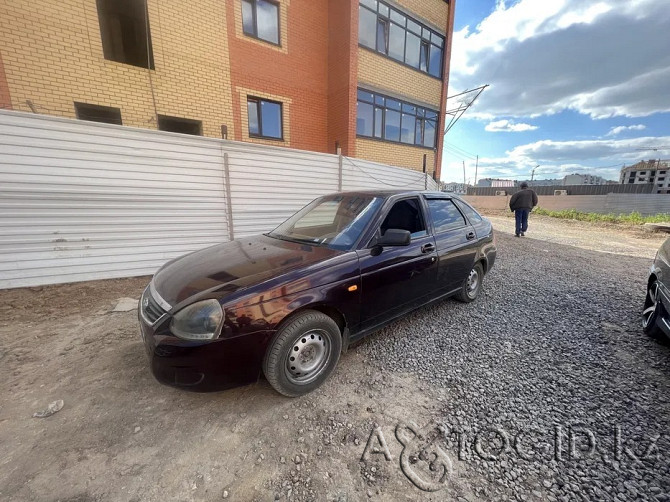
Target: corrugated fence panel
360	174
81	201
269	184
645	204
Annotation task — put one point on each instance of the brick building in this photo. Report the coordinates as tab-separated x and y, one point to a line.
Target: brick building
369	75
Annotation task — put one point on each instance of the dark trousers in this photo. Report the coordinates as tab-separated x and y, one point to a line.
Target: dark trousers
521	216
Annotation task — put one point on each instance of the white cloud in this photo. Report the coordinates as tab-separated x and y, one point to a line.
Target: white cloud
508	126
601	58
619	129
604	157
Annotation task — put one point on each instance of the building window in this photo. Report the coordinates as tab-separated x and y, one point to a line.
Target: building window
265	118
382	117
260	19
390	32
125	33
176	124
96	113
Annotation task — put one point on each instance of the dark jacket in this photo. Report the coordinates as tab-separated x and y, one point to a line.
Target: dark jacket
523	199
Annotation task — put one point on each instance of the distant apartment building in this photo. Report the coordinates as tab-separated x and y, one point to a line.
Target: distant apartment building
495	182
367	76
654	172
457	188
583	179
546	182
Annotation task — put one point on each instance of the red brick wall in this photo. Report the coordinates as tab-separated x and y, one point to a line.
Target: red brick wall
5	100
445	88
342	72
298	71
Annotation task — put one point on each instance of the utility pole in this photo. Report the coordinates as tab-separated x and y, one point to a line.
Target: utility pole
532	173
476	166
464	172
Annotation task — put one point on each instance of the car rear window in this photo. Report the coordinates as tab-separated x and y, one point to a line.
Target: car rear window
445	215
469	211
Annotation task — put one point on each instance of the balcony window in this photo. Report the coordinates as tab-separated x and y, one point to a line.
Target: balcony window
390	119
390	32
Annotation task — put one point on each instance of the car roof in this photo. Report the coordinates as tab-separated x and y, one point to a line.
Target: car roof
390	193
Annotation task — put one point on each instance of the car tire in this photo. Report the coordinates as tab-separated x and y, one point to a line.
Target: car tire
652	309
303	353
472	284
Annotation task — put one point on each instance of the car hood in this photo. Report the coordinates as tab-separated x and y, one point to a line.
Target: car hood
233	266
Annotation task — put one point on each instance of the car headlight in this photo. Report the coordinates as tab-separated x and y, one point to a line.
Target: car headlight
199	321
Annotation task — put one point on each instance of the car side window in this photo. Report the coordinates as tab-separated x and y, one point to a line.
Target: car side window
445	215
469	211
407	215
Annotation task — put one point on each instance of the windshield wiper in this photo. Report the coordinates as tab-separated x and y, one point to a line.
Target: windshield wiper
311	242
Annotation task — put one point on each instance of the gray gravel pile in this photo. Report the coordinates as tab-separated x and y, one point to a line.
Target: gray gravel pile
552	353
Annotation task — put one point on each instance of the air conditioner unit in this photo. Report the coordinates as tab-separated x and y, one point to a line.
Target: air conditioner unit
560	192
501	192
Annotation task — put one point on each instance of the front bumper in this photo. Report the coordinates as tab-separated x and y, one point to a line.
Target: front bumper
203	366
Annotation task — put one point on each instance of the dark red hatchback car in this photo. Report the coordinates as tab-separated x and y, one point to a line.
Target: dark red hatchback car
288	302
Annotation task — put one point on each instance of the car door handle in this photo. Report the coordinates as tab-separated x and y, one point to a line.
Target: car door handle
428	248
470	235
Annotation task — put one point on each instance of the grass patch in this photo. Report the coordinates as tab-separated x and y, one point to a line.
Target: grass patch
633	218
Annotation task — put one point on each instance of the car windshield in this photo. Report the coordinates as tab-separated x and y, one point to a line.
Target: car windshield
335	221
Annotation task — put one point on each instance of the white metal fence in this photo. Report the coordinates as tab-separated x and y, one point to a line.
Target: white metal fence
82	201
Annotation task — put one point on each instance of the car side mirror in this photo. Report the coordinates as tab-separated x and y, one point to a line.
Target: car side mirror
394	237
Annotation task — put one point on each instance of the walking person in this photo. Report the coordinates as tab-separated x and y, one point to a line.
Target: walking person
521	205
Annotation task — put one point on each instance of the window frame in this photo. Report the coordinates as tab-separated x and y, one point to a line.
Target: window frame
433	37
101	108
255	21
173	119
260	135
108	52
374	229
437	232
420	118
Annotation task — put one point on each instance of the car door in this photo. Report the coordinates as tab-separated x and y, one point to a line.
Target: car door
456	242
397	278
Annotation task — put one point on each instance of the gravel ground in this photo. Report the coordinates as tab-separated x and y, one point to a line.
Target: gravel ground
509	392
552	350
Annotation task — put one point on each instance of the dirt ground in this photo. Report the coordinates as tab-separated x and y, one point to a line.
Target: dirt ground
123	436
609	238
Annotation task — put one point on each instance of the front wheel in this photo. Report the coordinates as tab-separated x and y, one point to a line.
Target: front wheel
303	353
652	309
472	284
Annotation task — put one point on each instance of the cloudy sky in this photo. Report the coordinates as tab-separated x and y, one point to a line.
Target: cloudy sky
575	86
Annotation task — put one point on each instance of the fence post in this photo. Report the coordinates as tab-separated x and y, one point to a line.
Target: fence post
339	172
229	202
425	174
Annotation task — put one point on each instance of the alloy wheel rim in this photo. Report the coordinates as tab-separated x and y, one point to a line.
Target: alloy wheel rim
473	282
650	305
308	357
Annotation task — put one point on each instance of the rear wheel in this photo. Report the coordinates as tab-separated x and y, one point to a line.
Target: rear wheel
303	353
472	285
652	310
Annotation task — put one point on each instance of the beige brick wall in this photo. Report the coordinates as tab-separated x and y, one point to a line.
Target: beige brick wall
53	56
384	73
433	11
395	154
